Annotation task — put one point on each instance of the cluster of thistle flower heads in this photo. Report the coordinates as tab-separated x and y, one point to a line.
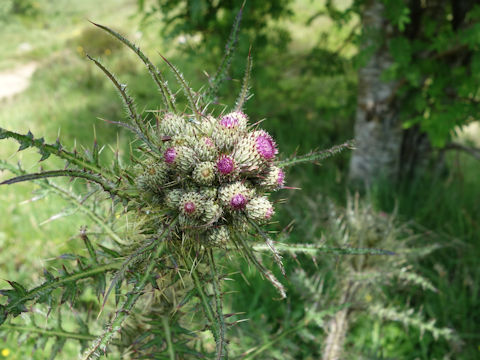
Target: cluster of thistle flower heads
214	173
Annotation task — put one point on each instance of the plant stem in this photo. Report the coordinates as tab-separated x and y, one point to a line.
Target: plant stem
168	336
102	341
204	300
52	333
316	155
222	352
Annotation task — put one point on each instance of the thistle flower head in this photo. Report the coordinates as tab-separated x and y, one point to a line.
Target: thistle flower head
234	196
191	204
265	145
234	120
273	179
170	155
204	173
225	165
218	237
260	209
214	174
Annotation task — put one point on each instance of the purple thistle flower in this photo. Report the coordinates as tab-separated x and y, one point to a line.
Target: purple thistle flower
189	207
238	201
170	155
225	165
228	121
281	178
265	145
269	213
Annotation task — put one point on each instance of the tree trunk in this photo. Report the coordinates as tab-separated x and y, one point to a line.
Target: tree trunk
378	132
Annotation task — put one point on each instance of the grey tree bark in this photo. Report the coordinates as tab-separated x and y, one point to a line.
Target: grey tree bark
378	132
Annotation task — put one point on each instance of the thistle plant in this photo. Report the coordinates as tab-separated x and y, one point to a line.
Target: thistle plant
361	282
199	191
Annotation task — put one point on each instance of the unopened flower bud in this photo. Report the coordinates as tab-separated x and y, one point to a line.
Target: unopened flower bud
153	177
171	125
230	128
234	120
234	196
205	149
172	198
208	193
191	205
259	209
273	179
218	237
204	173
181	157
207	125
212	212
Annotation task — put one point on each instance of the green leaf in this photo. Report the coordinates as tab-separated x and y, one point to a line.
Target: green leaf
401	50
18	295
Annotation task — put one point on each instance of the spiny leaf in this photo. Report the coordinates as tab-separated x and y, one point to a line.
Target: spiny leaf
55	149
267	273
108	187
245	91
317	155
128	102
221	73
276	255
185	87
71	198
119	275
314	249
152	69
135	131
89	246
417	320
18	296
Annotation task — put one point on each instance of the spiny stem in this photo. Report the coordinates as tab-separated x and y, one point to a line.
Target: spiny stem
129	103
51	333
203	297
276	255
314	249
168	336
68	196
221	73
316	155
222	352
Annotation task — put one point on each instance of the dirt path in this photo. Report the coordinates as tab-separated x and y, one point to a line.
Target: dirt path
16	80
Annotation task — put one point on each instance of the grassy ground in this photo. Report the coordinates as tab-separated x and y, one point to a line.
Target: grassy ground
304	109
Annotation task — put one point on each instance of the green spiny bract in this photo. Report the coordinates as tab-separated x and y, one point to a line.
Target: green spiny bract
210	174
